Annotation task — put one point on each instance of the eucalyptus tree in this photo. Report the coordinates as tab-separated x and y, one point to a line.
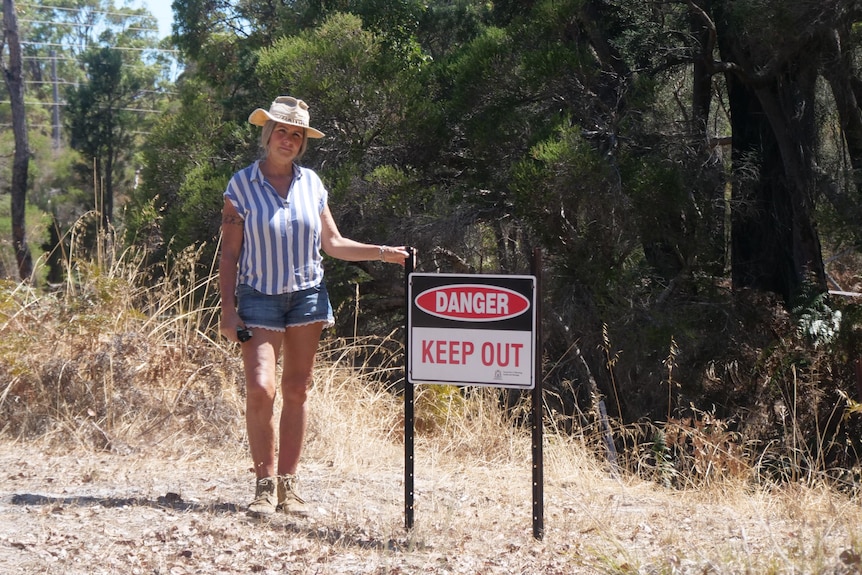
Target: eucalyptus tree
655	148
656	89
359	86
600	128
14	79
772	56
106	111
54	38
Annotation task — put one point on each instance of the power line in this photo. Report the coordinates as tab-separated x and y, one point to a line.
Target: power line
146	110
59	82
67	83
67	45
98	12
150	53
67	58
80	24
42	126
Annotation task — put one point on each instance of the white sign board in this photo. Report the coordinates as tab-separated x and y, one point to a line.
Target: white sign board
472	330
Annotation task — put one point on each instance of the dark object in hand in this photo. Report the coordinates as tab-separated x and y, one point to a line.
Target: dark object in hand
243	334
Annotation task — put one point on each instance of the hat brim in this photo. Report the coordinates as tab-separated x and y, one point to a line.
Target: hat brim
260	116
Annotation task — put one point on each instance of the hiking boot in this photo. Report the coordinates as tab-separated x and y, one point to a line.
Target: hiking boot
289	500
265	498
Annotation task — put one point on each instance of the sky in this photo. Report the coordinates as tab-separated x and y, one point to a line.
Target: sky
161	9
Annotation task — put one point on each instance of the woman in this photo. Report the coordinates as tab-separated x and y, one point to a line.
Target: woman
275	221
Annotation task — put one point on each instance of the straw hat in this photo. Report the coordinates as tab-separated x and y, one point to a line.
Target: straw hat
286	110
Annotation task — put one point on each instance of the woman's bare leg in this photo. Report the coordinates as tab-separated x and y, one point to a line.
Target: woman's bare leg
299	348
260	355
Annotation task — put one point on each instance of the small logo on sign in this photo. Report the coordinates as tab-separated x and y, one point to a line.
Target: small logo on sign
472	302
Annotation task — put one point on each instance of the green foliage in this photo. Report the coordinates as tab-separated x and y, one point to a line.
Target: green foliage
183	147
94	120
663	461
325	63
201	198
569	195
395	22
105	61
477	131
396	189
37	224
357	93
436	405
659	197
445	26
816	319
484	77
196	21
640	31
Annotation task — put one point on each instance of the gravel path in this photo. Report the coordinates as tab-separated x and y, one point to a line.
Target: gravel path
103	513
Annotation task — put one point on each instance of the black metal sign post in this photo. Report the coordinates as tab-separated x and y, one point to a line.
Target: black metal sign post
474	330
408	401
538	410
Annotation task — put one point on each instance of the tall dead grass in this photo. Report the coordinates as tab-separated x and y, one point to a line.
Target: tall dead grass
124	355
115	357
125	359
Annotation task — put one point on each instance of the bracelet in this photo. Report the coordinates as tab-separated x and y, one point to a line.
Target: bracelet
382	253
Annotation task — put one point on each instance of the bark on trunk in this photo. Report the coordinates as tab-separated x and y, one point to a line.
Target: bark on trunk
774	242
13	77
775	246
840	72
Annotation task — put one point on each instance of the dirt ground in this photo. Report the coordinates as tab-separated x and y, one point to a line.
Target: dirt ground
182	513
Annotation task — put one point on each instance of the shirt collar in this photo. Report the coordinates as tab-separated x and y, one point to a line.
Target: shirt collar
257	175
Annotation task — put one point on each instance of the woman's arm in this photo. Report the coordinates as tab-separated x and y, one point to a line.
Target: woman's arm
231	244
337	246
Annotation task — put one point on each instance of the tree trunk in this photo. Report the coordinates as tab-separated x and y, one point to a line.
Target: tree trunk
840	72
108	190
774	246
709	194
15	84
703	31
774	242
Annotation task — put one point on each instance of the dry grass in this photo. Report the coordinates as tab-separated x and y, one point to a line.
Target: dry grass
123	451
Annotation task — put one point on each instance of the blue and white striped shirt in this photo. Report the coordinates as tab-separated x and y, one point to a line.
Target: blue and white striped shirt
281	237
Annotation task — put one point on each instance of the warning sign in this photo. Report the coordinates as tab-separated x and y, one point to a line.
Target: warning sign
472	330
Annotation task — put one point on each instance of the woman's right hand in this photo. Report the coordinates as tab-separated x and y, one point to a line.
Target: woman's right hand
230	323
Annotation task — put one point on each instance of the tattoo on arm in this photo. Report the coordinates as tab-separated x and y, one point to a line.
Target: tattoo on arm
232	220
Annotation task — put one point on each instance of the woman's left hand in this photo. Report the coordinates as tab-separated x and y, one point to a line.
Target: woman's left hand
394	254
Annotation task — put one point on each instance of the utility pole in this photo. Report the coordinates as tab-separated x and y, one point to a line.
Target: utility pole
55	117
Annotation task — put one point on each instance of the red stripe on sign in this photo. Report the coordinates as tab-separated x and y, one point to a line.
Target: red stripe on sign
472	302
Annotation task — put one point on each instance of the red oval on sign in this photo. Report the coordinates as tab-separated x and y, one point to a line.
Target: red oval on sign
472	302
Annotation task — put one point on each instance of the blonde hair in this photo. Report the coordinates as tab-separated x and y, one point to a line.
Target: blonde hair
266	134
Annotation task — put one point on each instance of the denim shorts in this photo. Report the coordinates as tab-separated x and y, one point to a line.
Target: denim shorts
277	312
